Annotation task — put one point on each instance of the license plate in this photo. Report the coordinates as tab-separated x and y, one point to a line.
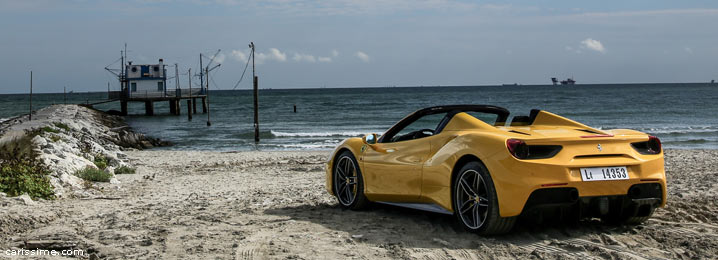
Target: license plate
604	173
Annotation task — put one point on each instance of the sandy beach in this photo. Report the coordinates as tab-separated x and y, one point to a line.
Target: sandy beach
273	205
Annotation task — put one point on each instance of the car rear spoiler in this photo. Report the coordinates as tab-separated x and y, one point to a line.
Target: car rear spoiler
540	117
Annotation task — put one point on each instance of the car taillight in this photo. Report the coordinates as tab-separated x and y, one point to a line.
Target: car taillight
518	148
652	146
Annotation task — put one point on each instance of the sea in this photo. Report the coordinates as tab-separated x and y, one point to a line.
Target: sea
683	116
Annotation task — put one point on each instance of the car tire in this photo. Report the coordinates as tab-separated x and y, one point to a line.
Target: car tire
475	203
348	182
629	216
637	220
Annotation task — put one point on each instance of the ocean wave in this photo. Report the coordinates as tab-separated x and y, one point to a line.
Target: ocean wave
250	135
318	134
681	130
271	134
306	146
689	141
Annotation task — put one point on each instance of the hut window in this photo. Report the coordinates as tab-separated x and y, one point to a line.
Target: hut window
160	86
157	68
134	87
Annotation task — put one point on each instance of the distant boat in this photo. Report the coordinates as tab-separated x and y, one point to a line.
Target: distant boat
568	81
505	85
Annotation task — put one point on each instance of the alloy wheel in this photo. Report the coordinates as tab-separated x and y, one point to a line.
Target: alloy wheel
472	202
345	180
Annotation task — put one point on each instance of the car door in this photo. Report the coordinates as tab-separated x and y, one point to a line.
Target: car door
393	168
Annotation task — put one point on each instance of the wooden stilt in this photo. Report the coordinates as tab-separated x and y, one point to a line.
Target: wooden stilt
178	107
189	109
173	108
149	108
194	105
204	105
123	108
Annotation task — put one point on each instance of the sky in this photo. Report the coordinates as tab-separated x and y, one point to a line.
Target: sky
360	43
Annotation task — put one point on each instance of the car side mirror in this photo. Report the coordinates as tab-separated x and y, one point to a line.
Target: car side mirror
369	139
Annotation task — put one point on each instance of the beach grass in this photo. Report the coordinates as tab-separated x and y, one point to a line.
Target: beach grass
21	172
94	174
62	126
55	138
47	129
125	170
100	161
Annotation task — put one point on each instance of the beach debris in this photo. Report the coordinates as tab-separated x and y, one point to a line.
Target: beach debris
25	199
50	244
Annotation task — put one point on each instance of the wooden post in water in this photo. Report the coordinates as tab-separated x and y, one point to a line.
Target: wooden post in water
204	105
189	109
64	95
123	107
256	97
173	108
207	89
256	109
149	108
295	108
31	95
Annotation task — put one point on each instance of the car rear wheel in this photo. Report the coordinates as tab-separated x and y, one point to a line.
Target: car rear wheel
630	215
476	206
348	182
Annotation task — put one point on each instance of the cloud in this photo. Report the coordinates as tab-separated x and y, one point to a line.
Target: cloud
593	45
362	56
688	50
219	58
274	54
238	55
299	57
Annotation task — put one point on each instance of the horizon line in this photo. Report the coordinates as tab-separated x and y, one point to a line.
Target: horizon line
406	86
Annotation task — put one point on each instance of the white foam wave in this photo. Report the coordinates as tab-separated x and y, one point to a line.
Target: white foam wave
318	134
306	146
681	130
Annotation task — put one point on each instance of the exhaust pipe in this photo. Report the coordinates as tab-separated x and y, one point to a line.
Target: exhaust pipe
603	206
573	195
635	192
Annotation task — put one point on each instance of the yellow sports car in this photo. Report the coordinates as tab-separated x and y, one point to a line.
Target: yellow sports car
467	161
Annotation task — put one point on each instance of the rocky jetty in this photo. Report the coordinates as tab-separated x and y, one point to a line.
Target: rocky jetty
69	138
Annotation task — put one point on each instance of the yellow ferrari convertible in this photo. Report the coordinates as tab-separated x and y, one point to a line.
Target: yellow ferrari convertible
466	160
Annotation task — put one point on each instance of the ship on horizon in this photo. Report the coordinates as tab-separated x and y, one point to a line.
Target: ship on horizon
568	81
